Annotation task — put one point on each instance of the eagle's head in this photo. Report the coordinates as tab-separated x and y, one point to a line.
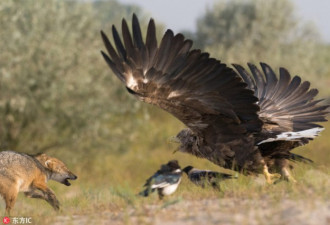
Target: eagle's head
188	141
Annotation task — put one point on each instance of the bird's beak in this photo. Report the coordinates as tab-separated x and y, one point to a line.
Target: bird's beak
175	150
174	139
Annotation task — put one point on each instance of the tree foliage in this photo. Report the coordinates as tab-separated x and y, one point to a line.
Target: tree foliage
270	31
55	87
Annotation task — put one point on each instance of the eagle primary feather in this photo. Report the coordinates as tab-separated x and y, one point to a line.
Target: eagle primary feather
227	113
286	104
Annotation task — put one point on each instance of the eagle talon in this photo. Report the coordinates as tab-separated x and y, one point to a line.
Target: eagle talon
290	179
271	178
287	176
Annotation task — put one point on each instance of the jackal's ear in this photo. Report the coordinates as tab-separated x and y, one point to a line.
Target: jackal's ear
40	156
49	163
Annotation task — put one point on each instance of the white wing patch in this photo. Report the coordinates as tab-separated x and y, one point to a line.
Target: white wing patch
161	185
145	80
295	136
174	94
131	82
198	124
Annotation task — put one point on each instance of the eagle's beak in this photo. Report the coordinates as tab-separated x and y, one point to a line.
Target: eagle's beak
174	139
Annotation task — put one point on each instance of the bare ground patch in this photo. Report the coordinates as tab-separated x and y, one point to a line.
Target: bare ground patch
214	211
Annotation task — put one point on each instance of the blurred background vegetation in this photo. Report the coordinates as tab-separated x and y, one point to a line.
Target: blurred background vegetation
58	95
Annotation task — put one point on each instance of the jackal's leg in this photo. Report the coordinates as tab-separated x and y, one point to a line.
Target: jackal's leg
10	198
283	165
48	194
35	194
270	178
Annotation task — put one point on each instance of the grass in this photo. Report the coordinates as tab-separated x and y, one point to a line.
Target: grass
82	203
108	181
113	166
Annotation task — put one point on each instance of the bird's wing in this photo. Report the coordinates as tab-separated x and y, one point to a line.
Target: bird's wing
164	180
218	175
197	174
150	180
287	106
206	95
203	174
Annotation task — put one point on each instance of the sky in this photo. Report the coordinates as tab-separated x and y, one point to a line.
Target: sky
182	14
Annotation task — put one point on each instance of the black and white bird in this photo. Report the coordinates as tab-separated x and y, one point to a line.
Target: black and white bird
206	177
165	181
248	123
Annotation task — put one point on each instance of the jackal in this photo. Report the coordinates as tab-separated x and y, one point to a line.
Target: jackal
20	172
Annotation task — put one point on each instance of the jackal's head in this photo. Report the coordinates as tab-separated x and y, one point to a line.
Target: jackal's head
56	168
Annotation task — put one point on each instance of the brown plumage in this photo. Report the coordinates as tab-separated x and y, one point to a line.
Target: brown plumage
288	111
230	117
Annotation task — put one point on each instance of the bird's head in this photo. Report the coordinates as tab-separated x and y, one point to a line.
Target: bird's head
173	165
170	167
187	169
187	140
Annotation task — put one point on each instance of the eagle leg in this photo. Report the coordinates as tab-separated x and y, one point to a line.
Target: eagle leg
283	167
285	175
269	176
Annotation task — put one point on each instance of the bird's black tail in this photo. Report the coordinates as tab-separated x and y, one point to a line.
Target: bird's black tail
299	158
146	192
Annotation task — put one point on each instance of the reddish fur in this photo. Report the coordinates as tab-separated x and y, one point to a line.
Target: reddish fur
23	173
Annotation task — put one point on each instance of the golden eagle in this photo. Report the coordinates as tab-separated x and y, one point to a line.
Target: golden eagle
248	123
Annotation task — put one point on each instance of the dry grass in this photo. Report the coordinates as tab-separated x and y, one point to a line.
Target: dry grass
134	140
105	191
243	201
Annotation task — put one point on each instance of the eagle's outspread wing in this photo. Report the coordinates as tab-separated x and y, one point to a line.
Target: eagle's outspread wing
287	106
184	82
206	95
236	120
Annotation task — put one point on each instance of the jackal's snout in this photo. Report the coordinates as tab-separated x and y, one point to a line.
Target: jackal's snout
71	176
63	175
57	169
